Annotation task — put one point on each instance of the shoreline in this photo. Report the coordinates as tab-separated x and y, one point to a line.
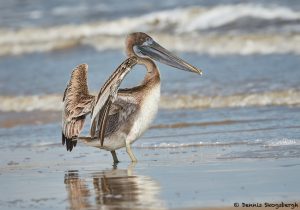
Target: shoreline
164	178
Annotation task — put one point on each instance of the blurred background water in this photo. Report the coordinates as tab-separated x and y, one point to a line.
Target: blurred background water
253	46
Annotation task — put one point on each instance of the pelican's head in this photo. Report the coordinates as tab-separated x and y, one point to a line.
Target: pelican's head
143	46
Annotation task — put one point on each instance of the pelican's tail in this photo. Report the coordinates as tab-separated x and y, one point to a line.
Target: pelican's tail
70	143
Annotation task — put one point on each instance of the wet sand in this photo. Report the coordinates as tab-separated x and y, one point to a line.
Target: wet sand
188	159
188	178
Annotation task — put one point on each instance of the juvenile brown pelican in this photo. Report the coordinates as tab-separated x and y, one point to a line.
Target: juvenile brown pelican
119	116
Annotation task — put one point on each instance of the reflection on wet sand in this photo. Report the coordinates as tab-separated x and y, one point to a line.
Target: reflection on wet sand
112	189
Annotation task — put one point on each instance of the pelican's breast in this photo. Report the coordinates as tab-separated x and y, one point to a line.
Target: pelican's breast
142	119
147	112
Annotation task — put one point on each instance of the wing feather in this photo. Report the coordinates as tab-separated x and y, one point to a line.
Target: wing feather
122	109
107	96
77	104
103	119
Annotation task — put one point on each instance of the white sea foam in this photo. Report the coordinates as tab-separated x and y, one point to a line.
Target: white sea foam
222	15
169	145
172	144
186	144
31	103
54	102
283	142
270	143
290	97
179	29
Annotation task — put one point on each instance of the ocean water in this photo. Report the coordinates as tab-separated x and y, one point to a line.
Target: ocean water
245	109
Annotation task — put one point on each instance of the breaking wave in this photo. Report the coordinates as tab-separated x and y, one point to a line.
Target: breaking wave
182	29
266	142
180	145
165	145
54	102
275	98
282	142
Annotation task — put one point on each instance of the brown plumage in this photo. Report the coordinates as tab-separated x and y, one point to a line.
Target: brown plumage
78	102
106	96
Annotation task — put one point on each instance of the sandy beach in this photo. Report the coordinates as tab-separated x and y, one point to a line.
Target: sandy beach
37	173
163	179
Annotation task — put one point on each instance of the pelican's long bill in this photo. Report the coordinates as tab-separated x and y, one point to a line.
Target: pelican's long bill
155	51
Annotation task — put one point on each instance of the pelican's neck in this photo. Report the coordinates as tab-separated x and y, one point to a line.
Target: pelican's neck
152	76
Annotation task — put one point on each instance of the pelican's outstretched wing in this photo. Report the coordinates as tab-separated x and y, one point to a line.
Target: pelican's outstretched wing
120	112
77	104
107	96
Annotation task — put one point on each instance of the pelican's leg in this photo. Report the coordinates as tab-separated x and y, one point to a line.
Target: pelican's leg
129	152
113	153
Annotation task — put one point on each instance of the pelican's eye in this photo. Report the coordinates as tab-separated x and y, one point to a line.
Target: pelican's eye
138	52
148	41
